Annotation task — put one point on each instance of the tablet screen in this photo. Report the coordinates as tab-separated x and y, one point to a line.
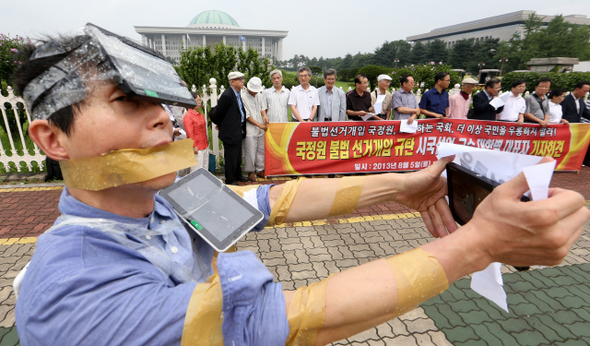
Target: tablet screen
215	212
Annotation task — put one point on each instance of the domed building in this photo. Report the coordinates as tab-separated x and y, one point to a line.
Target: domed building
207	29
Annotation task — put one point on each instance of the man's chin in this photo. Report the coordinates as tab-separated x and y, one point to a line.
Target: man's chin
159	183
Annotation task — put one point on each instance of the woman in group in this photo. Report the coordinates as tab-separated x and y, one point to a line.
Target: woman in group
556	96
196	129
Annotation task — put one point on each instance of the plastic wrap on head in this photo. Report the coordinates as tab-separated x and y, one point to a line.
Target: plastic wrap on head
142	72
127	166
101	56
67	82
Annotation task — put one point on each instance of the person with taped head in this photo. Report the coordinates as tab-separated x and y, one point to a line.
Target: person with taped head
118	266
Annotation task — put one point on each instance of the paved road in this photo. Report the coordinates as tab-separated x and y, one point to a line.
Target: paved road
549	306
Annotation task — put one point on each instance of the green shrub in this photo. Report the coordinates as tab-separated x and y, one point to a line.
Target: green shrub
558	80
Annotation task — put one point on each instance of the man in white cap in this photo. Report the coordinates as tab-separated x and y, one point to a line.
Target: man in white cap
381	97
255	127
459	103
231	119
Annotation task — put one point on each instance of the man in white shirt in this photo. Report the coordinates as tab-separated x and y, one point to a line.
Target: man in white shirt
381	97
275	108
514	104
304	99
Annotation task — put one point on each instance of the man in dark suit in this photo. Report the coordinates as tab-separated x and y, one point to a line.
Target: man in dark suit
574	109
231	120
573	106
482	110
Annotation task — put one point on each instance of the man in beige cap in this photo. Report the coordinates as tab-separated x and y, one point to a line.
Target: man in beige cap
231	119
255	126
381	97
459	103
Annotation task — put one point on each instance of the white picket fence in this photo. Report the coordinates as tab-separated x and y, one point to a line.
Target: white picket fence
22	156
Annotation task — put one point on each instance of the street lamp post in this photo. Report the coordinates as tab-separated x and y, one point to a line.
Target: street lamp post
481	64
503	60
396	61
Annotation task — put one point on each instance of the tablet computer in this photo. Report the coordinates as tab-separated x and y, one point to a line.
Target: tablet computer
142	72
216	213
466	190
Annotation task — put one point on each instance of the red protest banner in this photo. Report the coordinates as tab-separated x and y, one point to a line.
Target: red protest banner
379	146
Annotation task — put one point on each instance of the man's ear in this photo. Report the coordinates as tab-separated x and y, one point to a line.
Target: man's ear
48	138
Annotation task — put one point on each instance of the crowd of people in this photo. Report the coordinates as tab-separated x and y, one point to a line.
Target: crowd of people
119	266
254	108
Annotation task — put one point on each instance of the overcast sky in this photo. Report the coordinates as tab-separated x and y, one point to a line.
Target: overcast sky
327	28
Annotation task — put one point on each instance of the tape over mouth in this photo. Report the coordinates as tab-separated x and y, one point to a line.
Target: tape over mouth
127	166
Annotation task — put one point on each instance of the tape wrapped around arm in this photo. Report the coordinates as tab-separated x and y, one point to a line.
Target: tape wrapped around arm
419	277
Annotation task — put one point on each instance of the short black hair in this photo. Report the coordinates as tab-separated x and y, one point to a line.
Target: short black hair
357	78
194	94
580	84
544	79
405	79
517	83
492	82
30	69
556	92
440	76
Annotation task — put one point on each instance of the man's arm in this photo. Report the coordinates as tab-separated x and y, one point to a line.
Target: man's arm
342	113
295	113
314	110
431	114
423	191
379	295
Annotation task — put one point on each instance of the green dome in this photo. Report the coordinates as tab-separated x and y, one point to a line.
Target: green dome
213	18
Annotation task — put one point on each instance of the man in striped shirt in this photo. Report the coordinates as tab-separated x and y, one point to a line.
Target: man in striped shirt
274	104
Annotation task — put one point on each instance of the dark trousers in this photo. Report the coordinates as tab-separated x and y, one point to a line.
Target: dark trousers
233	162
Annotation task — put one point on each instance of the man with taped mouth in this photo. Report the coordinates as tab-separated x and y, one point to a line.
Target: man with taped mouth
118	267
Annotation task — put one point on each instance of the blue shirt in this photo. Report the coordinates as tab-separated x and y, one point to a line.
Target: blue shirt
84	287
435	102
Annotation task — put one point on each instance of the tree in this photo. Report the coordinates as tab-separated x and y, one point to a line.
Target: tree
347	61
436	50
199	64
461	53
418	55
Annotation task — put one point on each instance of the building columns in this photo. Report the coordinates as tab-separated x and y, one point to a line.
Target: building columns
163	44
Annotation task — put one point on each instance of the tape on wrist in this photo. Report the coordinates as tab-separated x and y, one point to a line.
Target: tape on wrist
419	277
347	195
307	313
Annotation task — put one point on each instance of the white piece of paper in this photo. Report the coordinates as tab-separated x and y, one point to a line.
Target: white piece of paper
367	116
378	106
497	102
499	166
408	128
489	284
